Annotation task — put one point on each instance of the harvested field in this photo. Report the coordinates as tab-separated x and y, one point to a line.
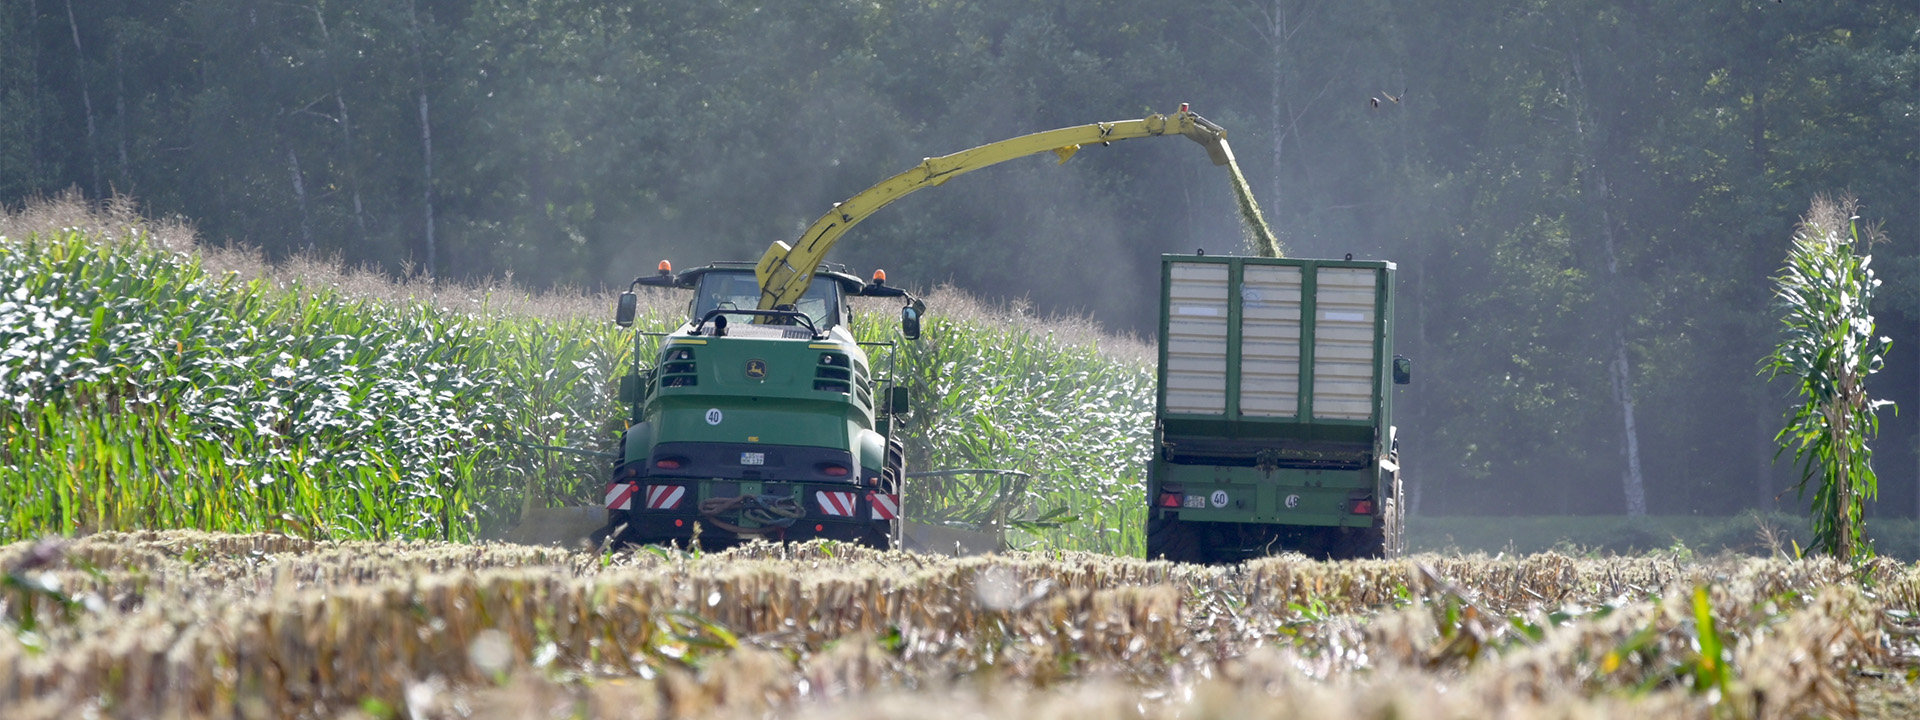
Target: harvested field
188	624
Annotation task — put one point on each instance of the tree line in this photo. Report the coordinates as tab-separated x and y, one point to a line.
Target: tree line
1585	199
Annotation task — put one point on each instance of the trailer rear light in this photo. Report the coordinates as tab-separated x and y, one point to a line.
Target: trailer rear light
833	470
1363	507
667	463
1171	500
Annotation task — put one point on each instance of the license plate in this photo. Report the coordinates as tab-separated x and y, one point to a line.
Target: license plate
1196	501
753	458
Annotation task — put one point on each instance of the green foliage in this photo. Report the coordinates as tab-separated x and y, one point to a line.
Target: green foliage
1000	393
139	391
1828	346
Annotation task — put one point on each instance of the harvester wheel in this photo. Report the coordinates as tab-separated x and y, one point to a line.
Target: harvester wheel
892	480
896	465
1395	523
1173	540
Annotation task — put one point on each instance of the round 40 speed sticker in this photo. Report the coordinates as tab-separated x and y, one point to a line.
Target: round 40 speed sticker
713	416
1219	498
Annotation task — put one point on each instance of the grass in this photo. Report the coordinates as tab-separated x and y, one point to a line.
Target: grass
193	624
148	382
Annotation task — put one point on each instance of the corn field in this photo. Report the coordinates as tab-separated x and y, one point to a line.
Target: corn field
191	624
146	385
270	480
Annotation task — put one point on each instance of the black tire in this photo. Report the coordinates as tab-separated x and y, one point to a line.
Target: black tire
1173	540
893	473
601	537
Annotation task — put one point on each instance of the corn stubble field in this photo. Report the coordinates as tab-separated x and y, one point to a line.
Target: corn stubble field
337	442
189	624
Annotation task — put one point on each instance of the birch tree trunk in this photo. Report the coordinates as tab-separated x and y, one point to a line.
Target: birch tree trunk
353	169
1276	25
426	138
300	195
33	99
348	160
1619	367
86	97
120	113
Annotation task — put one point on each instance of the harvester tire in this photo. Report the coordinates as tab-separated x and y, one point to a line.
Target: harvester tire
1395	523
893	476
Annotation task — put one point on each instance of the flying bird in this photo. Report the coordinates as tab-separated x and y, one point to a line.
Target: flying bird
1391	96
1376	102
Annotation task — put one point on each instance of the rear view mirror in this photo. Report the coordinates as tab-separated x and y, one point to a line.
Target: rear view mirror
1402	370
897	400
910	323
629	304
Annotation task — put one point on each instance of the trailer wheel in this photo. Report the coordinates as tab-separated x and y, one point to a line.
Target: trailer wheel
1176	541
1359	543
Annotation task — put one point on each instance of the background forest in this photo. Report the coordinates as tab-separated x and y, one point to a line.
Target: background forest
1586	199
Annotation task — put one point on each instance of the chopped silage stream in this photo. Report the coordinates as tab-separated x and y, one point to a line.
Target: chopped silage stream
190	624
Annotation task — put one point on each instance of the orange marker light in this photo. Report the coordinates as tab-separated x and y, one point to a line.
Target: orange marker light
879	277
665	267
677	523
818	528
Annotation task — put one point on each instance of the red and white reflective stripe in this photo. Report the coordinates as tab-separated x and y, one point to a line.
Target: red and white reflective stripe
837	504
886	506
665	497
619	496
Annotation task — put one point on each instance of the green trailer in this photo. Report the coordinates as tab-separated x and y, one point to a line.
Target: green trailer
1273	424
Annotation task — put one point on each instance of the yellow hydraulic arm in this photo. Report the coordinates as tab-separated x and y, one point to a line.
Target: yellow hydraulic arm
785	270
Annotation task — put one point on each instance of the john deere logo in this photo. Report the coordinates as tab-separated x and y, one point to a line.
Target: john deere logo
756	369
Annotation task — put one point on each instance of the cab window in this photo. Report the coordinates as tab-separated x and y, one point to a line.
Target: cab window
740	290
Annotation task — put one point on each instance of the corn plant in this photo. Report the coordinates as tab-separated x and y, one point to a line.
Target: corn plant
140	391
1005	395
1825	297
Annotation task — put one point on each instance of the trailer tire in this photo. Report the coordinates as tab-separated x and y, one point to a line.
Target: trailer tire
1170	539
1361	543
